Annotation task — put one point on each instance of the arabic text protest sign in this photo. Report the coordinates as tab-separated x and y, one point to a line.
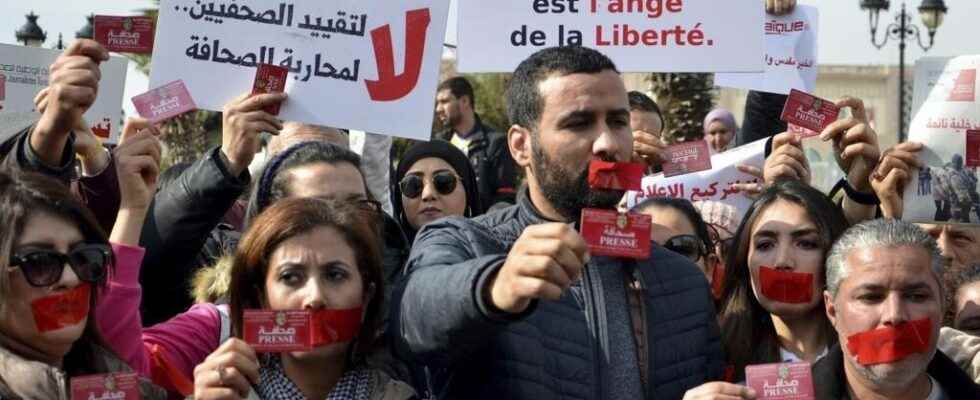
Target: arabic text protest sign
25	73
945	188
640	36
790	57
713	184
351	62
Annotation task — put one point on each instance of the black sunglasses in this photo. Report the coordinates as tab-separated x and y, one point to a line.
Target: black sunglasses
43	268
686	245
444	181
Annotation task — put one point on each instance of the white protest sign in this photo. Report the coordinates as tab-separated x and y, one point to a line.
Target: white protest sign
714	184
945	188
25	73
639	36
790	56
370	65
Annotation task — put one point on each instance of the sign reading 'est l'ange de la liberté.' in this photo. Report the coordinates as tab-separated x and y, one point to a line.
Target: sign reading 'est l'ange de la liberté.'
639	35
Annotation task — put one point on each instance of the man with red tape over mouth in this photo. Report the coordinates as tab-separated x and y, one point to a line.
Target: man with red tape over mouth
885	299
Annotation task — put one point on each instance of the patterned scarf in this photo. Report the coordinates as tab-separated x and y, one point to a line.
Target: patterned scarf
355	384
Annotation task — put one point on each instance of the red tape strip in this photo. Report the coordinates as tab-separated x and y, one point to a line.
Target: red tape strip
892	343
62	309
335	326
786	286
615	176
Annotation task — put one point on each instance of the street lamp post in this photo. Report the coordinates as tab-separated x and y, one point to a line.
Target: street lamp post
31	34
86	31
932	13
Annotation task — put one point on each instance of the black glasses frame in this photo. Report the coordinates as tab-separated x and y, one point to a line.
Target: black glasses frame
27	262
418	184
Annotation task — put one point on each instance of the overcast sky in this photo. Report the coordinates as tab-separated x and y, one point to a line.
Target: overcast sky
844	36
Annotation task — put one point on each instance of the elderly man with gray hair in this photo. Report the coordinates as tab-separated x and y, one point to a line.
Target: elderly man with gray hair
885	299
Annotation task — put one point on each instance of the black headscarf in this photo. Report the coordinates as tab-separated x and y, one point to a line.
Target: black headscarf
453	156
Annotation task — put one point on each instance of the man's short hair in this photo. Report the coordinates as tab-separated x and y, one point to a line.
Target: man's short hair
888	233
642	102
524	102
460	87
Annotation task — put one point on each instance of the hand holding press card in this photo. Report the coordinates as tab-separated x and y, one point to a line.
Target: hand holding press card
279	331
270	79
116	386
612	234
164	102
789	381
124	34
687	157
808	111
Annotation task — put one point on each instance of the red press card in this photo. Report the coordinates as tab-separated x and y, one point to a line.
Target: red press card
973	148
688	157
612	234
164	102
124	34
117	386
277	331
808	111
270	79
789	381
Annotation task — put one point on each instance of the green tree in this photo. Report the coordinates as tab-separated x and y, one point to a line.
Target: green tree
684	99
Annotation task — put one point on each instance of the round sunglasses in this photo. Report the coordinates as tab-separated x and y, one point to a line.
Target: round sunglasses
686	245
445	183
42	267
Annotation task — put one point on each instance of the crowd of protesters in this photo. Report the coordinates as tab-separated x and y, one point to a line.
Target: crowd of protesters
457	269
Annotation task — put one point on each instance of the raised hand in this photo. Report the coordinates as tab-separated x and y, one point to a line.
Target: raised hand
242	122
855	144
892	174
73	88
542	264
648	148
787	160
720	391
137	164
780	7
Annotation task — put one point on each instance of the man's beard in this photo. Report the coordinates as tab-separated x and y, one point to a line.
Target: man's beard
568	190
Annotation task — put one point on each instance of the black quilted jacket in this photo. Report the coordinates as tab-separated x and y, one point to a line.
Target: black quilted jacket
554	349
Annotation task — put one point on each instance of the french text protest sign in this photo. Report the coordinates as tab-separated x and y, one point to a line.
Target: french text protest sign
25	73
790	57
945	188
640	36
352	63
714	184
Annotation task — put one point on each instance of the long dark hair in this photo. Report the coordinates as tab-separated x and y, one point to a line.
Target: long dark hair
23	195
747	330
292	217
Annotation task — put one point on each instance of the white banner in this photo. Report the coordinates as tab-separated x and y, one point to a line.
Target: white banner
639	36
713	184
790	57
25	73
370	65
945	188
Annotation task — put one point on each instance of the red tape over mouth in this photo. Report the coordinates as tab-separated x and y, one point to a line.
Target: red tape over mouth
890	344
334	326
61	310
615	176
785	286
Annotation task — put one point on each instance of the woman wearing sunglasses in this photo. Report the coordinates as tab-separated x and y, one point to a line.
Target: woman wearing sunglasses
678	227
433	180
56	259
771	309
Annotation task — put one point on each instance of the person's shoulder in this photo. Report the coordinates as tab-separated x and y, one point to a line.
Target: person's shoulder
672	263
384	387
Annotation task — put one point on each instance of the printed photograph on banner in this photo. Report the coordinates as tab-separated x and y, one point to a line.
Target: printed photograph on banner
945	188
27	75
639	36
790	56
348	61
711	185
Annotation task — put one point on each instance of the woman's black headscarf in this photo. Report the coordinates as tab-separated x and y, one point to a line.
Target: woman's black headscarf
445	151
